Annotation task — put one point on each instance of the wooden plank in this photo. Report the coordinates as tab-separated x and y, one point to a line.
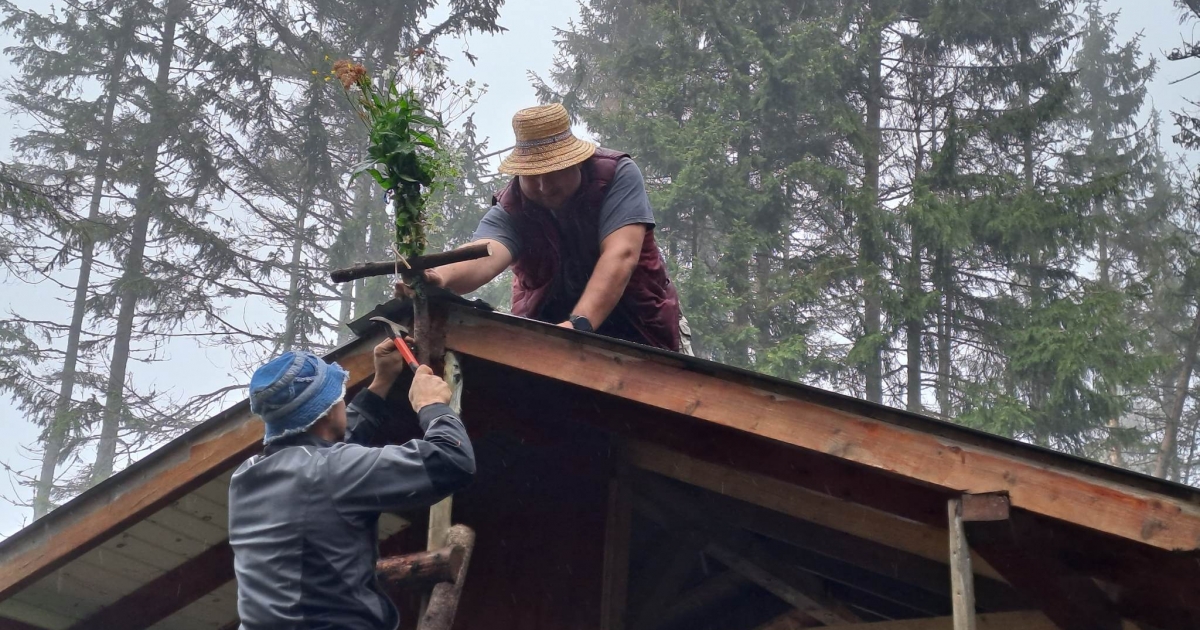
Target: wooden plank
962	584
19	610
1024	620
168	593
187	463
1155	519
863	522
617	529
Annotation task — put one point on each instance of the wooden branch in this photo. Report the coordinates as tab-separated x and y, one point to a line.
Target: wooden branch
416	263
423	567
443	602
962	584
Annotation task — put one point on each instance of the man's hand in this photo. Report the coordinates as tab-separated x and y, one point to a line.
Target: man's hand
427	389
432	277
567	324
389	364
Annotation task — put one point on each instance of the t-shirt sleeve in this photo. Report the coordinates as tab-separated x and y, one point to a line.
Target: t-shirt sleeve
499	226
626	202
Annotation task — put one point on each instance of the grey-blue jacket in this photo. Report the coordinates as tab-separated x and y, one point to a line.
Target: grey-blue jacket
303	514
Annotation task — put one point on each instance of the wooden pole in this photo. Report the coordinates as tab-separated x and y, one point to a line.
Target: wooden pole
423	567
416	263
443	602
962	579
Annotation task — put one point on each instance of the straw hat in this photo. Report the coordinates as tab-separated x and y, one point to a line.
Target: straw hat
544	142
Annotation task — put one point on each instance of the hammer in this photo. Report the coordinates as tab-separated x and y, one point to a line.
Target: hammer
396	334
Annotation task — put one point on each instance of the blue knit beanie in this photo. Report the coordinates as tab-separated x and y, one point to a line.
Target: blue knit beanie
293	391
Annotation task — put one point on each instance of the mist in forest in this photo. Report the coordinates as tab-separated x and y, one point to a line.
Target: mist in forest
987	212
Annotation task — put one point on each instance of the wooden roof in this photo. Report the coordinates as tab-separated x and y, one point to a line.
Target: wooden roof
878	475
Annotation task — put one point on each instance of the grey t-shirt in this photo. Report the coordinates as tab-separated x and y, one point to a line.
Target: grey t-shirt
625	203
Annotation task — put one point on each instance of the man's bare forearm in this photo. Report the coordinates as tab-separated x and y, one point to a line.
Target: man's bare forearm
606	286
467	276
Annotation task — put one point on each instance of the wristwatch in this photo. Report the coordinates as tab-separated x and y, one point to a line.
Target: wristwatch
579	322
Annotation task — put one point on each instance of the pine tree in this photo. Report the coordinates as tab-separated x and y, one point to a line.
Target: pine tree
1187	122
736	113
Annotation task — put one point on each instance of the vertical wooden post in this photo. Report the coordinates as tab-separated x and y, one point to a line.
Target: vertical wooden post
614	593
439	514
962	579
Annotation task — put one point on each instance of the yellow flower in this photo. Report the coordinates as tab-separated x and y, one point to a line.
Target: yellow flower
314	73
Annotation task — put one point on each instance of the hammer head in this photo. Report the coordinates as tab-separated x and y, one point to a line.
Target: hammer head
397	329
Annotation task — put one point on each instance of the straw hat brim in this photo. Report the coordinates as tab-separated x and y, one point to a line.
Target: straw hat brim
547	159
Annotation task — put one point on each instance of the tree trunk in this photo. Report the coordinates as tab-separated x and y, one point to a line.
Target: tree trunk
915	324
871	238
60	424
128	290
945	332
1166	451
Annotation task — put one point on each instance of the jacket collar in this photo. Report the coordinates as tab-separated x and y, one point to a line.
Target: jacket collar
300	439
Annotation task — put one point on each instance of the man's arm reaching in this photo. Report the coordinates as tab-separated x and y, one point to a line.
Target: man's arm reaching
619	254
414	474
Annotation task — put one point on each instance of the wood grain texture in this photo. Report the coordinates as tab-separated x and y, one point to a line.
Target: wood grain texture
962	583
1154	519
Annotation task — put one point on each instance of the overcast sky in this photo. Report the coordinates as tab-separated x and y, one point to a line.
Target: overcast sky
503	63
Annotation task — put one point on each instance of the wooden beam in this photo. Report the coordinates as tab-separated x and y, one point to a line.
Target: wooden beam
1025	620
962	583
1155	519
815	547
984	507
167	593
715	591
805	595
857	520
187	463
1070	599
617	530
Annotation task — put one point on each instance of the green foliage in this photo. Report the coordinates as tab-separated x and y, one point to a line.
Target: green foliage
403	155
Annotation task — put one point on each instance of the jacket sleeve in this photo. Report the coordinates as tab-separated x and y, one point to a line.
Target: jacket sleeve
365	416
417	473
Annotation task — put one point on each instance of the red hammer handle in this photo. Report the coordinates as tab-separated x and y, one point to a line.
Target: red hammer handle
404	350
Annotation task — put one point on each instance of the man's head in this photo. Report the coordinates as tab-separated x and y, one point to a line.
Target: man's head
546	156
297	392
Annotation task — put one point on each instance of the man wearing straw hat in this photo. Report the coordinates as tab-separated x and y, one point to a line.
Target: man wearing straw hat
576	226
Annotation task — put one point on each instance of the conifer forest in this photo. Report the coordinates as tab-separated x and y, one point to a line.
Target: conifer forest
971	209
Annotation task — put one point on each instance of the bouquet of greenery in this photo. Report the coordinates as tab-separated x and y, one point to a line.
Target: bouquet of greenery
403	155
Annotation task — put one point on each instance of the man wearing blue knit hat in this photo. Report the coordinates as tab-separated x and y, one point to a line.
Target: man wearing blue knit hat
303	514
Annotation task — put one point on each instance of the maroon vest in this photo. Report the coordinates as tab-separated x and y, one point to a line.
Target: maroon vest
559	254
